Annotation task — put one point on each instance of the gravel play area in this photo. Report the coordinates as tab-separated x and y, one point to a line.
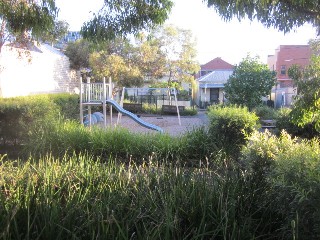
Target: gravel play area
169	124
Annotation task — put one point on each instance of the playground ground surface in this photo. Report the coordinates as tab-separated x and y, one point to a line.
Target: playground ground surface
169	123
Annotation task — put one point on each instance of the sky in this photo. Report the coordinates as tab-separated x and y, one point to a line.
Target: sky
232	41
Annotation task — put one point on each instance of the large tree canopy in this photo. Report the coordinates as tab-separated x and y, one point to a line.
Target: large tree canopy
284	15
123	17
25	20
28	15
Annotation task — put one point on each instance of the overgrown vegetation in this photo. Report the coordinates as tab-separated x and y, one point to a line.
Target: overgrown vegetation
223	181
230	127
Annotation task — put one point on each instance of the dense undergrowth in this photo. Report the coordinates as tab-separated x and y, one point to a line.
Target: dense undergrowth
223	181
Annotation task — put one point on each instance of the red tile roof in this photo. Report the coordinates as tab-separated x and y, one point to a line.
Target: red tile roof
216	64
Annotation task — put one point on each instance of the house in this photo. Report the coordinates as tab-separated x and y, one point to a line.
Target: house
40	69
285	56
211	79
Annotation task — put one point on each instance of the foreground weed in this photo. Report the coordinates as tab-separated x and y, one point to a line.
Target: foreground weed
84	197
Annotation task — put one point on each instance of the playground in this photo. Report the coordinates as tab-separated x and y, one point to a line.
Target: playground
169	124
103	95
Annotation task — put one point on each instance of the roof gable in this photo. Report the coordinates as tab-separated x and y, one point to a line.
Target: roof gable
218	76
217	64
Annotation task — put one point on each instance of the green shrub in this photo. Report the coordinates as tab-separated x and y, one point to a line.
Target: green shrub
189	111
290	169
284	122
265	112
68	104
230	127
18	115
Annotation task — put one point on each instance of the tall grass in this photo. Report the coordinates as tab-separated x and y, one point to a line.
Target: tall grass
291	168
81	197
61	137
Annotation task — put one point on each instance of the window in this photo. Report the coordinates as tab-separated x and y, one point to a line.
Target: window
283	70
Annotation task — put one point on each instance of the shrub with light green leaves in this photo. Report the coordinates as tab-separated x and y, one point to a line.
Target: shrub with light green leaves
68	104
18	115
265	112
290	169
230	128
284	122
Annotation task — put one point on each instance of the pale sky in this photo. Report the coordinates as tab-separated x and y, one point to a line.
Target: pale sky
231	41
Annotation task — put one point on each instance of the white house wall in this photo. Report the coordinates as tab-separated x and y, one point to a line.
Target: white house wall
205	95
42	71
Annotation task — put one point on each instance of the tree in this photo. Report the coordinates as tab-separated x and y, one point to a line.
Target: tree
26	20
178	46
116	67
54	35
281	14
306	107
250	81
78	53
149	57
123	17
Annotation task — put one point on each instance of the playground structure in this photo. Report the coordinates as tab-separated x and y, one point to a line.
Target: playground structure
101	94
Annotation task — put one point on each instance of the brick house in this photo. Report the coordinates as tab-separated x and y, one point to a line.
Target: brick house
285	56
210	81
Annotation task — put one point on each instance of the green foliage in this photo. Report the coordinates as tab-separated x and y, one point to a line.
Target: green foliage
59	31
68	104
82	197
70	137
117	67
78	53
19	115
265	112
285	121
178	46
275	195
291	170
189	111
175	85
121	18
306	108
32	17
283	15
230	128
149	57
250	81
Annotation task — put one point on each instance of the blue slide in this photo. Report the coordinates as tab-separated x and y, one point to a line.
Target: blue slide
133	116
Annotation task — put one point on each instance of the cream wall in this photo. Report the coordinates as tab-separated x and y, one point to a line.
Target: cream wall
43	70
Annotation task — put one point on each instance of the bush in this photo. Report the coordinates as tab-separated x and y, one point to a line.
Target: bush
68	104
18	115
290	169
284	122
265	112
230	127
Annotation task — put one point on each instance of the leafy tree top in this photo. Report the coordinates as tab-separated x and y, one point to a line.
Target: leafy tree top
306	107
23	16
250	81
281	14
123	17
